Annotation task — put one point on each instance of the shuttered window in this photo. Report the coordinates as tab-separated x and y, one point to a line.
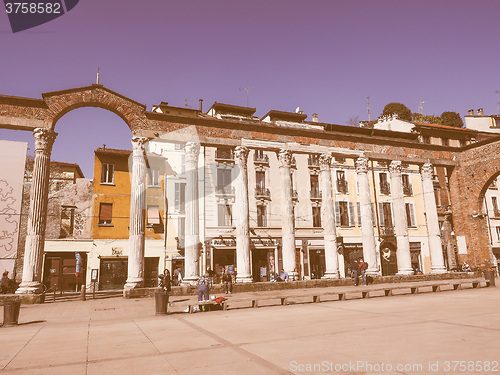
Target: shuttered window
105	213
410	215
107	173
344	214
153	215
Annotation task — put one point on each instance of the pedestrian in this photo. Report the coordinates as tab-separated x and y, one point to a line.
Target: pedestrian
177	276
165	282
362	268
354	271
5	283
204	284
228	282
283	276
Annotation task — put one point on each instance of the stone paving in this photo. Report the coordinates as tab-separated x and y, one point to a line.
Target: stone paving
403	334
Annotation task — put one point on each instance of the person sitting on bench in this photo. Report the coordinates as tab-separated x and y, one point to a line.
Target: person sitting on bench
283	276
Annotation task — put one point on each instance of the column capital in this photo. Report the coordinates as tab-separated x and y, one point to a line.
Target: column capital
285	158
427	171
44	139
361	165
325	161
138	143
395	167
241	155
192	150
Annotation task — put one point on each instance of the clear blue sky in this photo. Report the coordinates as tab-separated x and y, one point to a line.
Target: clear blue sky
324	56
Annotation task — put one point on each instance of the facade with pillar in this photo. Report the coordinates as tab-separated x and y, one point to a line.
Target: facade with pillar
287	196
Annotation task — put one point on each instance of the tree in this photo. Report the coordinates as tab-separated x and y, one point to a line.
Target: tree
401	110
452	119
353	121
428	119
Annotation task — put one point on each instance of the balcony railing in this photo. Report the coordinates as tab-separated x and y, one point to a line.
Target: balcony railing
262	192
224	155
261	159
407	190
225	190
385	189
316	194
387	231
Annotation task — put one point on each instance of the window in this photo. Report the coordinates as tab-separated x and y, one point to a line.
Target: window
316	213
224	180
154	177
315	192
342	185
67	221
181	232
426	140
344	214
180	146
261	215
494	203
385	188
498	233
225	215
463	143
180	197
153	215
410	215
107	173
407	189
445	141
105	213
314	160
385	212
260	181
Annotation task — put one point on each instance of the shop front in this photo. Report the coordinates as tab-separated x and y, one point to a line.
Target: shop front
64	271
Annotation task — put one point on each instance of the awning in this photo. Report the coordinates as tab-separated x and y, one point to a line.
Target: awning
153	215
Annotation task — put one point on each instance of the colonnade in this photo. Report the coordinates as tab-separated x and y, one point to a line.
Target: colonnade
32	266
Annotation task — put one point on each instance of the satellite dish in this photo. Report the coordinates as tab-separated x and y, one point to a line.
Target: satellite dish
297	110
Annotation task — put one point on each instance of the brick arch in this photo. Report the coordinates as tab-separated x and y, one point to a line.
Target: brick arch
477	167
62	102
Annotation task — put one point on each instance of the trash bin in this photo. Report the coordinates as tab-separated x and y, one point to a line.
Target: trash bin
11	313
161	302
490	277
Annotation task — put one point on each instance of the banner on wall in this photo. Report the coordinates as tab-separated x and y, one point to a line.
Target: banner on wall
12	163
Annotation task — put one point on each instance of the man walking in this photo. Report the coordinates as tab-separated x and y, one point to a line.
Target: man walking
354	271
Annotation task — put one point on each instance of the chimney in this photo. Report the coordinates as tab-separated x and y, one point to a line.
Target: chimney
201	105
480	112
471	112
315	117
301	112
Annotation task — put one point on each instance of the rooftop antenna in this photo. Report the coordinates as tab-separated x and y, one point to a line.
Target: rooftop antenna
247	89
421	106
97	80
186	102
368	106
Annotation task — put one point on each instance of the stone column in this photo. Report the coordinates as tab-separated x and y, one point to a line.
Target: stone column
137	224
287	216
431	218
328	218
449	242
37	219
400	223
365	203
192	237
241	216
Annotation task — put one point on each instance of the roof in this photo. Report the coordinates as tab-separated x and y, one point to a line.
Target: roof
236	109
285	116
444	127
103	150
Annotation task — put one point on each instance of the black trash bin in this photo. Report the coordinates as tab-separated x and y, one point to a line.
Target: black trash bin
11	313
161	302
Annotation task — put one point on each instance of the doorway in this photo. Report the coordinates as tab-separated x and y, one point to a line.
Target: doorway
317	263
60	271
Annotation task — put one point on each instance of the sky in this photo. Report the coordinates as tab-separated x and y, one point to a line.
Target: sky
324	56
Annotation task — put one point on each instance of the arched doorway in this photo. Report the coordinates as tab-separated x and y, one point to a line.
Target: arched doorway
388	258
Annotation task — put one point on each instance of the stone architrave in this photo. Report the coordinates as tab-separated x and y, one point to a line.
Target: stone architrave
242	216
400	223
328	218
365	203
137	225
431	218
192	237
35	238
287	215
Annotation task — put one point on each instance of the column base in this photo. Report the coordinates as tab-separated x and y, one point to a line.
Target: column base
292	276
133	283
405	272
372	272
438	270
331	275
244	278
33	287
190	280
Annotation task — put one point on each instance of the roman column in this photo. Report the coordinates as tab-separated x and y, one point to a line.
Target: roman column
328	218
192	238
365	203
137	224
241	216
431	218
287	215
37	217
400	223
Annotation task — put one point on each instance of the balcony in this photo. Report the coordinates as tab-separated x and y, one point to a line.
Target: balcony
342	186
224	190
224	155
316	195
261	159
262	192
385	188
313	161
407	190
